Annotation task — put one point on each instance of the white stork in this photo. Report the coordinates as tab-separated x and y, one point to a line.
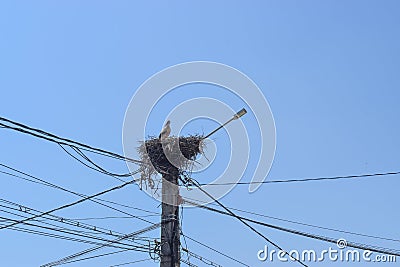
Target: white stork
166	130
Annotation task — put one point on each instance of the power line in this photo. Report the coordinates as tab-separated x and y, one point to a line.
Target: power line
89	250
70	232
201	258
109	217
244	222
95	166
76	146
298	223
184	239
215	250
69	205
131	262
64	141
290	221
74	233
46	234
92	228
310	179
96	200
321	227
109	243
127	206
188	263
318	237
98	256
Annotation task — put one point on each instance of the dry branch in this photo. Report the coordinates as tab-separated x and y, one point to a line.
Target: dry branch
171	155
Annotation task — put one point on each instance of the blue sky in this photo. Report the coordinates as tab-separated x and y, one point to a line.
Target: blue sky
329	70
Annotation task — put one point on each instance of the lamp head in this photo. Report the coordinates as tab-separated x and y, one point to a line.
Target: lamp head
240	113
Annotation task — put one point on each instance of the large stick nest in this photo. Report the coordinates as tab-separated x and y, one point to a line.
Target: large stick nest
173	155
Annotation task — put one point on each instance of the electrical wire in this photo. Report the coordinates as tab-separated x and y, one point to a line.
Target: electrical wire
95	200
109	243
89	250
202	259
128	206
310	179
188	263
98	256
215	250
184	238
131	262
54	138
76	146
94	166
53	228
299	223
109	217
245	223
71	222
313	236
46	234
87	241
68	205
90	241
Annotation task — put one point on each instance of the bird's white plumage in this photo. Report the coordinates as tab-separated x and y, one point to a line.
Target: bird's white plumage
166	130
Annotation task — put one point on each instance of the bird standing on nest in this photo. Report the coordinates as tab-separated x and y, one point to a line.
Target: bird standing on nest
166	130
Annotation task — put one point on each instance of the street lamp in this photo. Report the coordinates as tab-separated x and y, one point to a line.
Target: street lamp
235	117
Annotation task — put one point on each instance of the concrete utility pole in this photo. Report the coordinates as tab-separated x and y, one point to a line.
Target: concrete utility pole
170	233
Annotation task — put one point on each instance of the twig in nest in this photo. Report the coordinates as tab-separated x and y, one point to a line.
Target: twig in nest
169	156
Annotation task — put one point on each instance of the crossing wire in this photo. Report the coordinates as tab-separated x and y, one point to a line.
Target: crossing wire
244	222
108	243
51	137
296	222
131	262
201	258
75	223
310	179
89	250
46	234
69	205
76	146
94	166
300	233
215	250
98	256
96	200
56	139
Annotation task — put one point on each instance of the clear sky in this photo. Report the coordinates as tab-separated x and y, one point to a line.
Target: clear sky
329	70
